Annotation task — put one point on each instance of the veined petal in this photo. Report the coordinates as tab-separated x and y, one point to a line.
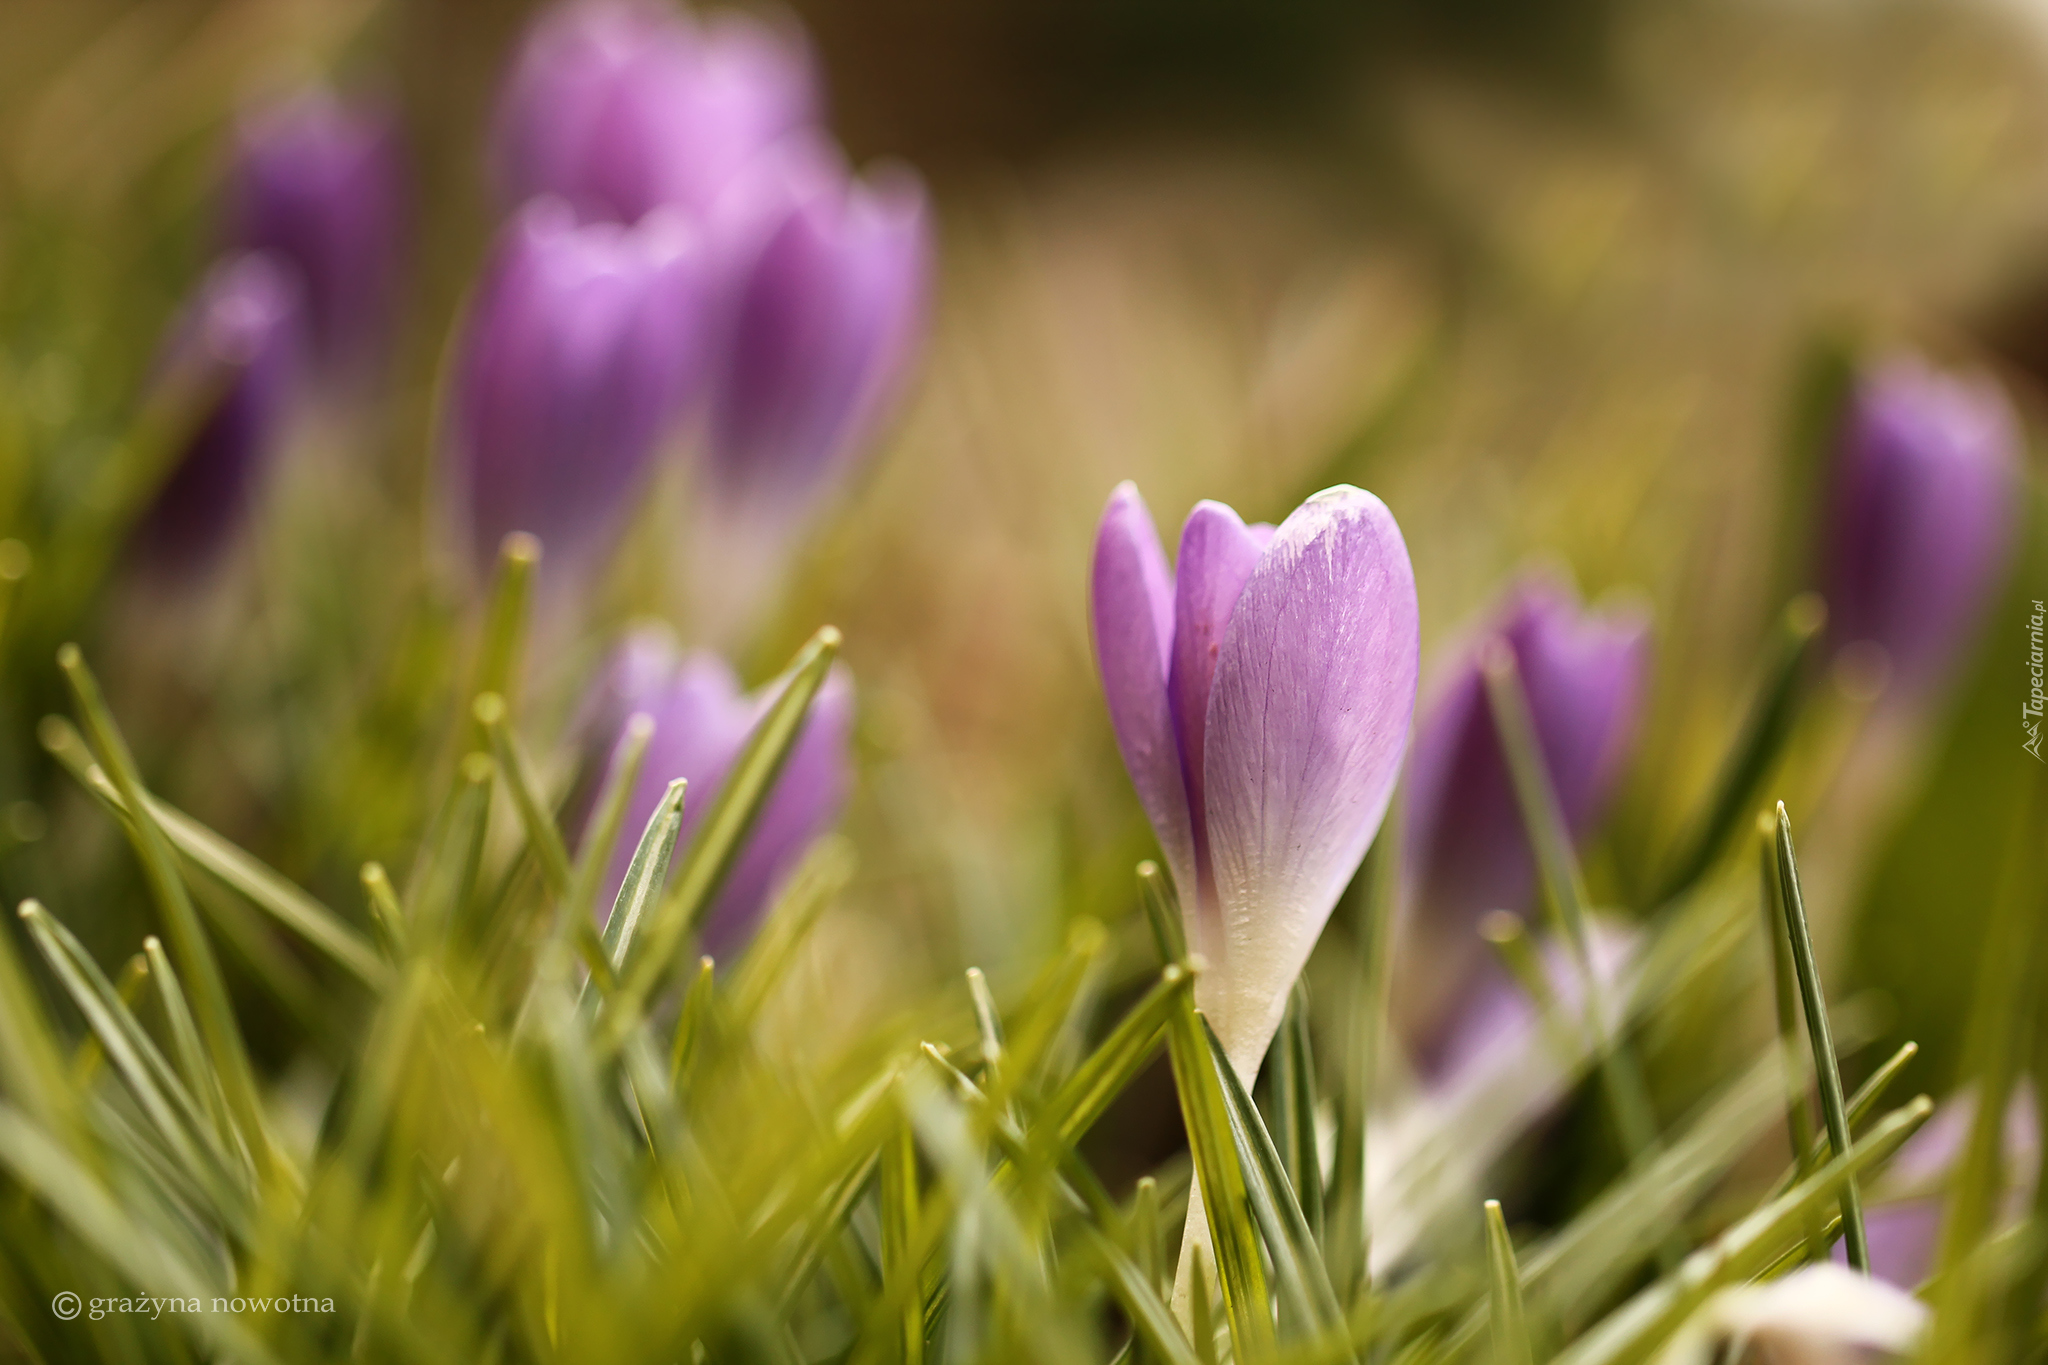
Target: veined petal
1217	555
1132	606
1308	716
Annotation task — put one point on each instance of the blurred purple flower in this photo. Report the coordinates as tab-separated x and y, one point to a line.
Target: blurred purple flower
1903	1215
620	107
241	333
578	351
1261	697
1919	517
823	282
701	719
1465	848
318	183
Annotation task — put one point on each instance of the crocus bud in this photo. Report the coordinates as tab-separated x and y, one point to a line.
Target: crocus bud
318	184
238	344
579	348
823	281
1919	516
1261	695
622	107
701	720
1465	845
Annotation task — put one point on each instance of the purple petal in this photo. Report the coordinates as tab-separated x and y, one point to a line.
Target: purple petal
621	108
1308	716
700	720
576	354
243	331
826	281
1583	673
1132	614
320	184
1217	555
1920	517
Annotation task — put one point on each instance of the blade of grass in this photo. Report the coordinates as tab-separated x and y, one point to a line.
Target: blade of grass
1147	1249
189	947
88	1057
1371	895
1756	749
1635	1330
693	1021
1294	1110
1127	1050
1136	1291
1827	1068
1155	893
1799	1118
897	1204
447	883
31	1061
504	632
1510	1324
263	887
385	911
191	1053
722	833
1226	1200
542	837
1551	839
1298	1271
646	875
1861	1105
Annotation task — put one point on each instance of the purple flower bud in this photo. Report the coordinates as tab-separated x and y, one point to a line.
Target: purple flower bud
701	720
824	282
622	107
240	333
318	184
1920	516
579	348
1261	697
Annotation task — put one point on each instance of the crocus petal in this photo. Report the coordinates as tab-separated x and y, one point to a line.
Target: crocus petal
1132	610
1217	555
1817	1315
1921	516
700	720
242	330
575	357
1308	716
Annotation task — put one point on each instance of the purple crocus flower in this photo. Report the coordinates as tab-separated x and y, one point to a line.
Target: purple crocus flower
701	720
1261	694
1920	516
1465	848
823	289
623	107
318	184
579	348
241	333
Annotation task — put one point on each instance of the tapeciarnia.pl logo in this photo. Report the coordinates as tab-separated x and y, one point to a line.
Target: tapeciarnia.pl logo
2030	710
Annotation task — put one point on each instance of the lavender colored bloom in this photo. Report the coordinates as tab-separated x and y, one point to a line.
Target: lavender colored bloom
1261	697
1920	516
318	183
579	349
1817	1315
1466	850
701	720
241	332
823	288
623	107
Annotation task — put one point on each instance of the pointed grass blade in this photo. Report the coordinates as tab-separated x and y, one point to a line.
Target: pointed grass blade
646	875
1155	893
1827	1067
1137	1293
1756	748
1634	1331
263	887
189	946
1298	1272
1294	1110
902	1269
31	1061
1113	1065
608	815
1510	1324
1226	1199
504	633
721	835
524	783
